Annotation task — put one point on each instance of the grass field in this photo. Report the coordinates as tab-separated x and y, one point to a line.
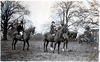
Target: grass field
75	52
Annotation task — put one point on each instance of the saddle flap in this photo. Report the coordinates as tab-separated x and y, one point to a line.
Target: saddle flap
18	36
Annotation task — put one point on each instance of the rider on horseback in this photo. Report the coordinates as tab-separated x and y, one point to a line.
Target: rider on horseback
20	28
87	34
52	28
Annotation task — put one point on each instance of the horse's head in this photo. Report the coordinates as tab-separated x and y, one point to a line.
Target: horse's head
64	29
32	30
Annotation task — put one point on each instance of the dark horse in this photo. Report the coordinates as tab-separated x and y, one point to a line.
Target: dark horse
82	38
26	37
57	39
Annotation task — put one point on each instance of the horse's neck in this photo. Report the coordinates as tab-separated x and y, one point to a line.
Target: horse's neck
27	32
59	33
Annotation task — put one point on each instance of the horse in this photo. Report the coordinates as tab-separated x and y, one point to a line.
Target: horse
82	38
65	41
26	36
57	39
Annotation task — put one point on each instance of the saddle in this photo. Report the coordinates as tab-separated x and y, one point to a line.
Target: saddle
52	33
20	36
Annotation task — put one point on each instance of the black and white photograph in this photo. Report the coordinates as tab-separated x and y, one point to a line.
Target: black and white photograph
49	30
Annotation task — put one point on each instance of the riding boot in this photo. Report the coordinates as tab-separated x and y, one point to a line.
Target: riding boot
22	37
18	33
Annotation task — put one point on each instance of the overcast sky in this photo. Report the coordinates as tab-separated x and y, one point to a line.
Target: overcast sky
40	13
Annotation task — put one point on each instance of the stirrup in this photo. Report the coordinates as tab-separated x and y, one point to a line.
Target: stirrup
21	39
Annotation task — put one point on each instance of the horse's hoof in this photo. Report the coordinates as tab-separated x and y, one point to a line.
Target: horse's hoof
63	49
51	49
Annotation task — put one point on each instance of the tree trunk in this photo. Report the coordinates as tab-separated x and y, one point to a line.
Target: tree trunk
5	34
63	16
5	31
5	28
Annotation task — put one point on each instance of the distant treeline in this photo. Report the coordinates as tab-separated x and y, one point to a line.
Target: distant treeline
37	37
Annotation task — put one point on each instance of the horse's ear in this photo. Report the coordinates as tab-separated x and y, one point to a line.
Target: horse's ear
34	28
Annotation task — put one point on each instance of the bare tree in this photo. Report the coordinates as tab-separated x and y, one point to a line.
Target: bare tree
88	17
62	10
65	11
8	11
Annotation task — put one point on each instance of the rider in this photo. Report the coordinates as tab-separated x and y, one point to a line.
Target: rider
87	34
20	28
52	27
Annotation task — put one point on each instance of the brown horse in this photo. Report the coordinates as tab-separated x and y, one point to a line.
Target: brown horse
66	37
57	39
26	37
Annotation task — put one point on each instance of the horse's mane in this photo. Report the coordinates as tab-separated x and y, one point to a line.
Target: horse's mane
59	32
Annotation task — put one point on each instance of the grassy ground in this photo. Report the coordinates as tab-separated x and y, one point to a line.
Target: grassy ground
75	52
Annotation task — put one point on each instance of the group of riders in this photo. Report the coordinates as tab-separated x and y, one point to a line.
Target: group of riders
87	32
53	28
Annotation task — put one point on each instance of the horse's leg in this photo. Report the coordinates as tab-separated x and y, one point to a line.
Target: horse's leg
12	44
58	47
47	46
24	45
54	46
15	44
27	45
44	45
63	46
66	44
51	46
81	42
